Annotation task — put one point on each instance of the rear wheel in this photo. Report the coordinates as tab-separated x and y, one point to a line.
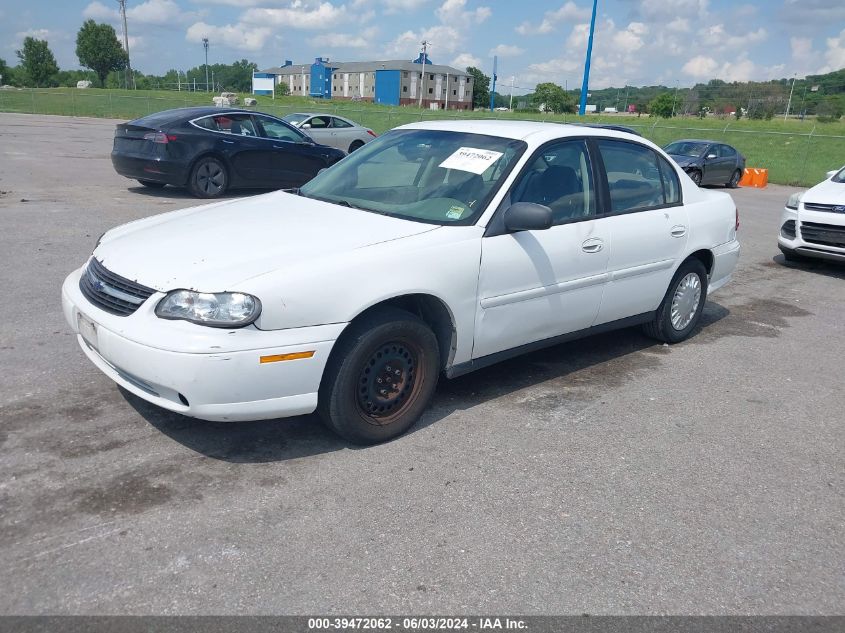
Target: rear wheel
151	184
355	145
696	176
681	308
208	178
733	183
380	378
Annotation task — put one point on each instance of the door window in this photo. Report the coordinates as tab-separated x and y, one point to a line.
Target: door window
238	124
560	178
635	178
276	130
338	123
319	122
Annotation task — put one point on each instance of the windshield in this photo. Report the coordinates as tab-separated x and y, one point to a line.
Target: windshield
295	119
425	175
686	148
840	177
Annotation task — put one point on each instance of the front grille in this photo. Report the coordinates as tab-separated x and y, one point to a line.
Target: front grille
826	234
111	292
827	208
788	229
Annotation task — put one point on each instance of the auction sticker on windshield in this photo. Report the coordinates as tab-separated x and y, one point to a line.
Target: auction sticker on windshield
472	160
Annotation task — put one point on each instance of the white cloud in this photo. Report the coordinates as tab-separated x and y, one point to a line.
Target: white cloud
835	54
717	37
333	41
243	37
464	60
446	37
99	11
161	13
299	15
454	12
569	12
701	67
666	10
506	50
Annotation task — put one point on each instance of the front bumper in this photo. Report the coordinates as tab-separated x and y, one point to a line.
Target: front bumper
799	245
202	372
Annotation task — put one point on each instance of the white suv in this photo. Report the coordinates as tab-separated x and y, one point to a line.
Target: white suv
813	222
439	247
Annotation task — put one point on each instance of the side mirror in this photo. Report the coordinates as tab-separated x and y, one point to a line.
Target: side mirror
528	216
306	126
711	156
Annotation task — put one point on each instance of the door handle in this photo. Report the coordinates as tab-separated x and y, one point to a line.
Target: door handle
228	142
678	230
592	245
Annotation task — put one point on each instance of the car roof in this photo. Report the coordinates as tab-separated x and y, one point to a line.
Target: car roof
177	114
697	140
338	116
534	131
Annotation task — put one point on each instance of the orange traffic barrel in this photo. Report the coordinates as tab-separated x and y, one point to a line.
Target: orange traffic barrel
755	177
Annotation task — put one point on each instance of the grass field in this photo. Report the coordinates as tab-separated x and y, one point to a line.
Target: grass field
795	152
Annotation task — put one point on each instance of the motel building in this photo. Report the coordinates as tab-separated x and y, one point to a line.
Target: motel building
391	82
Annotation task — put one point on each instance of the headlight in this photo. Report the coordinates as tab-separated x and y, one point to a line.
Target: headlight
218	309
794	199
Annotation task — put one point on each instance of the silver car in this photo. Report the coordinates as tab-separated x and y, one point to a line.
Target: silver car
332	130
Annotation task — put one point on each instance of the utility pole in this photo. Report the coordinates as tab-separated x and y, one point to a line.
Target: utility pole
495	76
122	4
789	103
583	105
510	105
422	79
674	96
205	46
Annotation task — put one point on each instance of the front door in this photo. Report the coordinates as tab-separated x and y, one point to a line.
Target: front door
534	285
293	159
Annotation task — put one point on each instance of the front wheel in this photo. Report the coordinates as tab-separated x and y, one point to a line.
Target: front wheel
681	308
696	177
380	378
733	183
208	178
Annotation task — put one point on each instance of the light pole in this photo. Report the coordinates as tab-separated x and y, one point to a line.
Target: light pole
674	96
422	78
122	4
789	103
582	108
205	46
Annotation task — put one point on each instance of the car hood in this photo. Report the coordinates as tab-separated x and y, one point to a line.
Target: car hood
214	247
827	192
683	161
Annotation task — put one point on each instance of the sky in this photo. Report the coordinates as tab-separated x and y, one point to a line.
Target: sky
637	42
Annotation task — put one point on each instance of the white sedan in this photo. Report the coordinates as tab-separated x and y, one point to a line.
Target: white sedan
439	248
813	222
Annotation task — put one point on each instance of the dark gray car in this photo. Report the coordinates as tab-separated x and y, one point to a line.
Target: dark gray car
708	162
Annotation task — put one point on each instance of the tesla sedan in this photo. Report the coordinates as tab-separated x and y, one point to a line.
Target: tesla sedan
210	151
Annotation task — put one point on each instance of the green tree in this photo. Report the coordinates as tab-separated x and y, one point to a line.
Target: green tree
662	105
480	88
5	72
37	62
98	48
553	98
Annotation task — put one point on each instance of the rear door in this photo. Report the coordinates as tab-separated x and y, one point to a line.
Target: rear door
237	138
344	133
647	223
319	128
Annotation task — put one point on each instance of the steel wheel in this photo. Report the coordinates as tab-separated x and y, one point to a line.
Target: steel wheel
388	382
696	177
209	178
685	301
734	181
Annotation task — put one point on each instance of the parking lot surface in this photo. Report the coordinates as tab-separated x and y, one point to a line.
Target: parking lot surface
613	475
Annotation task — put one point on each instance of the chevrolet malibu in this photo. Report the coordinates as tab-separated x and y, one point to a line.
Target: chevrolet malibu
439	248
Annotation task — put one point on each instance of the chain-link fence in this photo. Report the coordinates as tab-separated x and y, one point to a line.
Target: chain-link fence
800	155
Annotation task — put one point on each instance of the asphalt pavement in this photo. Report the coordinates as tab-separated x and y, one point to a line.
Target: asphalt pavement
613	475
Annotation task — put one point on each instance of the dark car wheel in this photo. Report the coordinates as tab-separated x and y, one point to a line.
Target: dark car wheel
208	178
380	378
356	145
681	308
733	183
152	185
696	176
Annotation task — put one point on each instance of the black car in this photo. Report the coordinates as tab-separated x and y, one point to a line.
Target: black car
708	162
212	150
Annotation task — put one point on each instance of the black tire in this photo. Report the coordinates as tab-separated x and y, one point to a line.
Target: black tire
664	327
353	400
733	183
696	177
209	178
356	145
152	185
